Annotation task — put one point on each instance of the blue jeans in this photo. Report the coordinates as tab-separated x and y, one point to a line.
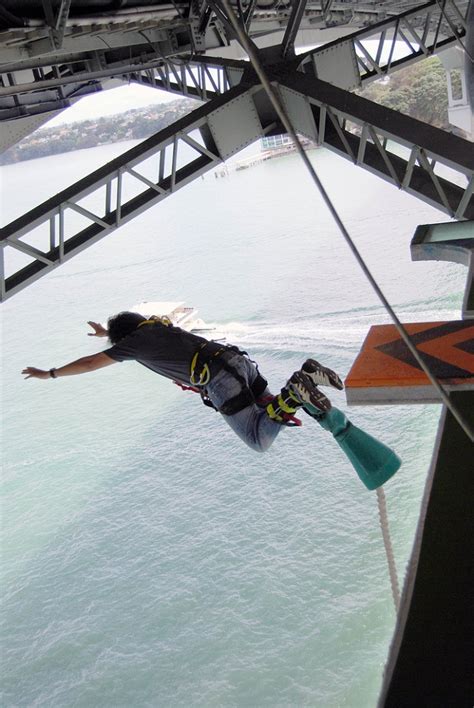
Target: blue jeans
251	424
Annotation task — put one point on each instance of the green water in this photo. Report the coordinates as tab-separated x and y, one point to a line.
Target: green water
149	558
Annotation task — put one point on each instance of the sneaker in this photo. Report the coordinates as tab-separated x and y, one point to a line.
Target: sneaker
321	375
305	391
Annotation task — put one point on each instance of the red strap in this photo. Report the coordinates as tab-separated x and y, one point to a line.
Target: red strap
187	388
264	400
260	402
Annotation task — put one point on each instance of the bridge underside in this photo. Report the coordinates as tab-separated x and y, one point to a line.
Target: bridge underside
53	52
60	51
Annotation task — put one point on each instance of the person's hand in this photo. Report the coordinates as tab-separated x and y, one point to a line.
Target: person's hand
99	331
31	373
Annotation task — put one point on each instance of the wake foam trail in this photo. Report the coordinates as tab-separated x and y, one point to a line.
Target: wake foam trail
338	330
290	335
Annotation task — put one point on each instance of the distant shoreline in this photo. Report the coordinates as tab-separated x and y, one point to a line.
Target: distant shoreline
419	91
137	124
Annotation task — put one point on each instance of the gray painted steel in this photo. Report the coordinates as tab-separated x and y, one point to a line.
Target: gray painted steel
125	189
449	242
48	62
408	154
36	74
430	662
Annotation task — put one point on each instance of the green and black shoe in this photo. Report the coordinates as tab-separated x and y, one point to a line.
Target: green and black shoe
303	389
320	375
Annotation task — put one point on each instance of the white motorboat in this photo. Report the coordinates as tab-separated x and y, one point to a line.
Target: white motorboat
180	315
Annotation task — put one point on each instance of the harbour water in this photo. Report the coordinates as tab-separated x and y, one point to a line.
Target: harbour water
148	557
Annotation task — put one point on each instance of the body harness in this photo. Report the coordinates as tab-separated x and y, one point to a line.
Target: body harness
209	359
206	359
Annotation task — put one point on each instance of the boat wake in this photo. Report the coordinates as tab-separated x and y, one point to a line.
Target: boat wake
340	330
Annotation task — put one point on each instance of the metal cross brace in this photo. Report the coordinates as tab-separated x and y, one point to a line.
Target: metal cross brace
351	62
52	233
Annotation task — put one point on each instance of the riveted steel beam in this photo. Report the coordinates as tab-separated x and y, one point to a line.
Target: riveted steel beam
386	46
203	78
237	115
25	87
34	90
407	153
288	43
96	205
415	157
60	24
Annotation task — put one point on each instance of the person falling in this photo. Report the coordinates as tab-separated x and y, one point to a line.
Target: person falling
226	378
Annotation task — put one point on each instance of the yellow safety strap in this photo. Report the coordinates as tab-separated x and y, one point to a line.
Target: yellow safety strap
204	375
284	406
273	414
153	320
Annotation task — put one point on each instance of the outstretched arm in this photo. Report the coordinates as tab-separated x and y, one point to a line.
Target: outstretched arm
80	366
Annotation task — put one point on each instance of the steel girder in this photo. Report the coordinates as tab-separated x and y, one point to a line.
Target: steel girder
427	162
346	62
57	24
409	154
49	84
422	31
35	90
34	31
54	81
413	156
202	78
47	236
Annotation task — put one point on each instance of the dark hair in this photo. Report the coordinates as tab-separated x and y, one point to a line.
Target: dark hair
124	323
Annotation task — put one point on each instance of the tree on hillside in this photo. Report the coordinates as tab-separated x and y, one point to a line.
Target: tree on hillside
419	91
135	124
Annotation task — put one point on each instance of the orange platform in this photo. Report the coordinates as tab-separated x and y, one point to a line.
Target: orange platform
385	371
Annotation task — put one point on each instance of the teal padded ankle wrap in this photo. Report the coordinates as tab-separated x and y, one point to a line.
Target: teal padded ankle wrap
373	461
335	422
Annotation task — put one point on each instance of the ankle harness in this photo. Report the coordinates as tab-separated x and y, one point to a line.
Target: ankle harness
281	408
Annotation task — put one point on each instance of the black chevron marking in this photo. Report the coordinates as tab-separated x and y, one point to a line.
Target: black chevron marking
441	369
467	346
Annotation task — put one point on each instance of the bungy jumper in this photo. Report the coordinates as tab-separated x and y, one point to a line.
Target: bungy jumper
374	462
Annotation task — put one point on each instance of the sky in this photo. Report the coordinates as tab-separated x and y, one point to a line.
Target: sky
112	101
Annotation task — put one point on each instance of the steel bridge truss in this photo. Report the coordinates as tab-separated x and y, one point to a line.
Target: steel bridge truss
421	32
350	62
60	85
201	79
54	81
429	163
80	215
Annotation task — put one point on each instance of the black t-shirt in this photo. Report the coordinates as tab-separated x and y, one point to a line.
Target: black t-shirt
166	350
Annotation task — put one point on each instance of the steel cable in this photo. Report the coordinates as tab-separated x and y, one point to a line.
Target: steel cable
277	104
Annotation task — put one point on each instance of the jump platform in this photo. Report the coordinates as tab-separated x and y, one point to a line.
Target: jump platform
386	372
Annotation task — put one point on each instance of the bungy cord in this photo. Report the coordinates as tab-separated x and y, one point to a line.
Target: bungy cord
249	47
